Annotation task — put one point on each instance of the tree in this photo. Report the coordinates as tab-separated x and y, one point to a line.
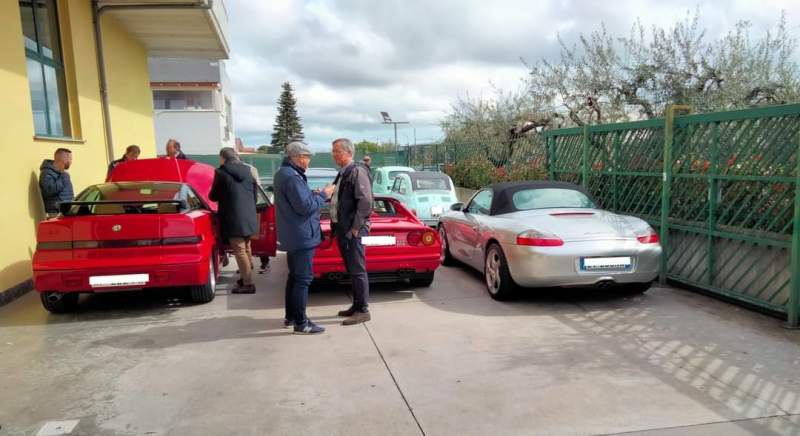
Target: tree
287	127
604	79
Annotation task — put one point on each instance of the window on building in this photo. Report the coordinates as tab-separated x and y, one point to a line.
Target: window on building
45	67
182	100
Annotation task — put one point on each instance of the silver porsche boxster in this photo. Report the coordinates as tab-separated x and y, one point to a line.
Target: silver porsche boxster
548	234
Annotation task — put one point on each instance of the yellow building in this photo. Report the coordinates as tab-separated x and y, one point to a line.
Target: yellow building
54	67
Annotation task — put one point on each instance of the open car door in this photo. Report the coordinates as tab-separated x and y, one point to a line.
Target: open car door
266	242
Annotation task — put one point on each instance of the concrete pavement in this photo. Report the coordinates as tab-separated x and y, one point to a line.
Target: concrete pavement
435	361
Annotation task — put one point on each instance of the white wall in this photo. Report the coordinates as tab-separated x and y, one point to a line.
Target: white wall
199	132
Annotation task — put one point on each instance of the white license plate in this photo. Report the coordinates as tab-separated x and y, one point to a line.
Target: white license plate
378	241
606	263
119	280
436	210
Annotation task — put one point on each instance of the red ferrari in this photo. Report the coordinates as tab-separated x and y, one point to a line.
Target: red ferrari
152	225
399	246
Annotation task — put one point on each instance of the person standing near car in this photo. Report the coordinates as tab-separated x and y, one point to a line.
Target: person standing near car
131	153
54	181
234	190
174	150
297	211
351	206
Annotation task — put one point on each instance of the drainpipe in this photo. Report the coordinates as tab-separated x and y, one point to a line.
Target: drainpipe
97	12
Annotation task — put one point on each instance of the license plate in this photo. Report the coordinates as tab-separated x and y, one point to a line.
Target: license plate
119	280
378	241
622	263
436	210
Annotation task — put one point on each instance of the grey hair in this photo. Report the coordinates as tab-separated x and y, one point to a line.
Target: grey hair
346	144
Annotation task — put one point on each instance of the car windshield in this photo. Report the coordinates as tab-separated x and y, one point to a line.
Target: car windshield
548	198
134	197
431	183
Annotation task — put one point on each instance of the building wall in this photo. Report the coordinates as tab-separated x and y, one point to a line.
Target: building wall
198	131
23	154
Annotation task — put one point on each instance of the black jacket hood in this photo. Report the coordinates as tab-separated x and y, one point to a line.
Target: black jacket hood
47	164
237	170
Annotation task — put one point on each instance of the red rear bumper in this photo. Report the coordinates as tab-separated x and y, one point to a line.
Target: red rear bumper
160	275
421	263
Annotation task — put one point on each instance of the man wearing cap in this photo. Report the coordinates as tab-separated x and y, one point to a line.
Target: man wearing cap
297	211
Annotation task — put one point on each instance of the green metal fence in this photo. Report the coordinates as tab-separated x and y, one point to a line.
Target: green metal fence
726	203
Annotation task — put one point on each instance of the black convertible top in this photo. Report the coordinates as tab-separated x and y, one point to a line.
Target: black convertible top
503	193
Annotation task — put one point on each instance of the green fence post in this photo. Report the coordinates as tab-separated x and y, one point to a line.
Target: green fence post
666	185
713	193
551	156
585	158
793	320
614	171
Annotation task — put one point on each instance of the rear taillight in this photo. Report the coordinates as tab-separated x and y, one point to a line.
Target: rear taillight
65	245
182	240
650	237
428	238
536	238
414	237
327	241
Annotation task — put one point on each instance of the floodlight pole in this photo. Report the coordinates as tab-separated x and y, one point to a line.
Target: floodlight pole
388	120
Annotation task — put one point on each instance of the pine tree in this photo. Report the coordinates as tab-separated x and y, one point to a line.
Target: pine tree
287	127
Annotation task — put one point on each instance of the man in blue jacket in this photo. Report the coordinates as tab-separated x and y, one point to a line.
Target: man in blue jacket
297	211
54	181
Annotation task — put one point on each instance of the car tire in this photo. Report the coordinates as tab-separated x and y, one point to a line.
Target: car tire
447	258
206	292
637	288
422	280
498	279
59	302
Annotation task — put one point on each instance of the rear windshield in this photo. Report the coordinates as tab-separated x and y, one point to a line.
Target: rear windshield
393	174
431	183
135	198
549	198
379	207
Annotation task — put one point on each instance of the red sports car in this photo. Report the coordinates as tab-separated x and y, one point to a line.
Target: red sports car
399	246
152	225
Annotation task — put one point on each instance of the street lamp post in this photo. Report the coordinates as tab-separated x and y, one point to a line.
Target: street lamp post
388	120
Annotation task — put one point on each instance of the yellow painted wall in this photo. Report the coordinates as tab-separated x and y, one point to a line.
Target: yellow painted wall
129	91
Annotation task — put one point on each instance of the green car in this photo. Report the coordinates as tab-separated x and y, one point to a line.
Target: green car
383	178
426	193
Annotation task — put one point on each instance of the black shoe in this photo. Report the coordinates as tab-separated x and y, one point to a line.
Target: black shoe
357	318
347	313
244	289
309	328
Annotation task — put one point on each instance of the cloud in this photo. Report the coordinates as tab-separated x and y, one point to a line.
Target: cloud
348	60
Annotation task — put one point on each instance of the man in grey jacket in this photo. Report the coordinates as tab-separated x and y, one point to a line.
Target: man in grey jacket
351	207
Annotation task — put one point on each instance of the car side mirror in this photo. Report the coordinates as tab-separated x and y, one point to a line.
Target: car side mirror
457	207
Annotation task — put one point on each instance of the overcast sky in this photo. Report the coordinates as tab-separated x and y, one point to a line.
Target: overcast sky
348	60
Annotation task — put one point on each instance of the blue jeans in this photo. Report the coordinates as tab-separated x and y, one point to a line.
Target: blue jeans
300	276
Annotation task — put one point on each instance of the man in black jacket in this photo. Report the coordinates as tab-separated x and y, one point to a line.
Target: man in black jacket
132	152
54	181
234	190
351	206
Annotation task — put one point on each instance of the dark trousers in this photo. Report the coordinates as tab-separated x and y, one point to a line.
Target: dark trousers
300	277
353	256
